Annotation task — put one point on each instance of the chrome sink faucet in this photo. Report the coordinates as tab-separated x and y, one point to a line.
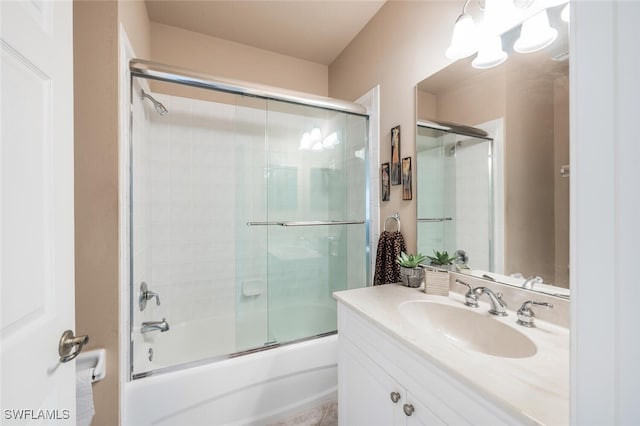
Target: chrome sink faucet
148	326
498	306
531	281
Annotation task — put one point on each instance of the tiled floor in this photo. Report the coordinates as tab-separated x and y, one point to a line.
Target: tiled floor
323	415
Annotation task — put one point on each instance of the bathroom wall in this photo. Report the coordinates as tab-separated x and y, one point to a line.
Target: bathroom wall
227	59
399	47
96	190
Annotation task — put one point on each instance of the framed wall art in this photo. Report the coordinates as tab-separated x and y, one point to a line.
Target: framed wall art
384	181
396	178
406	179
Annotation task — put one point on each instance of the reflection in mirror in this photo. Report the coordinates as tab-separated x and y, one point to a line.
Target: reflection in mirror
455	196
524	106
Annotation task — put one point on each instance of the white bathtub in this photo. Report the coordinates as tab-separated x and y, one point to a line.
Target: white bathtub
253	389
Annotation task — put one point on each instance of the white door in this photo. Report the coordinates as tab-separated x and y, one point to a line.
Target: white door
36	211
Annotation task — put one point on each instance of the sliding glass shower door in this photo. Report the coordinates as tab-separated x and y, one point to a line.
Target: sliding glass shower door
247	214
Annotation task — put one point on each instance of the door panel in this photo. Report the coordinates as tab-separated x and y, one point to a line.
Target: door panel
36	226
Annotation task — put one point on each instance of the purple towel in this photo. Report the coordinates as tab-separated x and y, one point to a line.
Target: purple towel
390	245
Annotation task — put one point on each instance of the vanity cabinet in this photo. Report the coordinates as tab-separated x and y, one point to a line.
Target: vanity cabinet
370	396
375	369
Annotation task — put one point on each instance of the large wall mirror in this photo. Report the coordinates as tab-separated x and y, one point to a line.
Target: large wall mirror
496	184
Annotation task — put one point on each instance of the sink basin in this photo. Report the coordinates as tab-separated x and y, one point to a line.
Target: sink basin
468	328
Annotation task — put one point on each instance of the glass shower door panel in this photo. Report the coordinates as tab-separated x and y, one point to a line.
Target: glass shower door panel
431	181
251	296
191	169
314	179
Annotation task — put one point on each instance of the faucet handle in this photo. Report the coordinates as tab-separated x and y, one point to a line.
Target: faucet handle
471	298
526	316
146	294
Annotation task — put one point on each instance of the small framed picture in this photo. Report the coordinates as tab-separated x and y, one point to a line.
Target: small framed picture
406	178
384	181
396	178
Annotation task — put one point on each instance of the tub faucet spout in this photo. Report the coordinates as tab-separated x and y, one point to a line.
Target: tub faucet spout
148	326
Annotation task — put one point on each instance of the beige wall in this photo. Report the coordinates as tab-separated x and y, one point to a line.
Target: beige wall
96	190
222	58
529	173
401	45
96	179
135	21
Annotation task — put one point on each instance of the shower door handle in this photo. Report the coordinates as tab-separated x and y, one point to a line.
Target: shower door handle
308	223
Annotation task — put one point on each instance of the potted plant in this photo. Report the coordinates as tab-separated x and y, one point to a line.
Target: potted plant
437	275
442	260
411	272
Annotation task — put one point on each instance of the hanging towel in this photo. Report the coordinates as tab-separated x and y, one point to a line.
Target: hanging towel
390	245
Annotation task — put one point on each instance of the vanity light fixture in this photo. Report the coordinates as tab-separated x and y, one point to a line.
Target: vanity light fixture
498	17
535	34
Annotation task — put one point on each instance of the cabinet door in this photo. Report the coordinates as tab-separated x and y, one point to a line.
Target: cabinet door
420	414
365	391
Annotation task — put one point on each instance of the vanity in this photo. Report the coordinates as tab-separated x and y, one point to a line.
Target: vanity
408	358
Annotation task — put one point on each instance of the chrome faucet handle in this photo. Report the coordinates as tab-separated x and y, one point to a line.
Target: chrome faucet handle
146	294
526	317
470	298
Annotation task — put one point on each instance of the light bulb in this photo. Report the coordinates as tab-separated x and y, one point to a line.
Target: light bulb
566	13
490	53
463	40
536	34
305	142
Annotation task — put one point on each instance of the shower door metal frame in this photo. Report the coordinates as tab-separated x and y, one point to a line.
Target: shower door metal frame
168	73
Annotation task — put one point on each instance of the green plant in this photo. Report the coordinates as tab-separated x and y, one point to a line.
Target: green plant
410	260
441	258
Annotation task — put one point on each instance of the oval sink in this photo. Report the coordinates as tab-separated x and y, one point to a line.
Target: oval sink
468	328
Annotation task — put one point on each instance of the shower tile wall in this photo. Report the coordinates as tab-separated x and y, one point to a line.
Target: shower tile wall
183	170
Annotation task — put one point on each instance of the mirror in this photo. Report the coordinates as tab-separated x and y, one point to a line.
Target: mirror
502	198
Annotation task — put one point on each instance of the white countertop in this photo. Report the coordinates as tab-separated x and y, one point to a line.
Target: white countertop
535	389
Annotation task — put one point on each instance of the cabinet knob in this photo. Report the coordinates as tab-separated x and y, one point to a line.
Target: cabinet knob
408	409
395	397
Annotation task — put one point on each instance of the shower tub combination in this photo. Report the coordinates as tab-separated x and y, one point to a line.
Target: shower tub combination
248	210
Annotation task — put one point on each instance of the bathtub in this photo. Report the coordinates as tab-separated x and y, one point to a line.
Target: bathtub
253	389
